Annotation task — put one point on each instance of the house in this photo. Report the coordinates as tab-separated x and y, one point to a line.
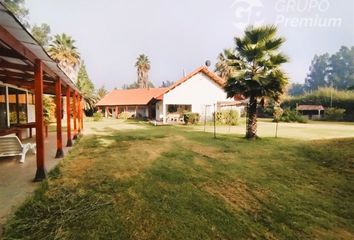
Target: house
201	92
135	102
311	111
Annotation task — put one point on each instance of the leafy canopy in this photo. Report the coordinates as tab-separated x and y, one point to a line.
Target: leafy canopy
63	50
17	7
256	64
42	34
87	88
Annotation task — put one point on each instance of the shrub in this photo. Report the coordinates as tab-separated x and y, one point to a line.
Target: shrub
125	115
334	114
48	109
97	116
191	118
229	117
290	115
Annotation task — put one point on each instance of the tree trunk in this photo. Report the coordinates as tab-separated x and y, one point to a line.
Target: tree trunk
251	132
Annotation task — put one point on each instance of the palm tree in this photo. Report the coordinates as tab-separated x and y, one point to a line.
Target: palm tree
143	66
257	74
64	52
222	67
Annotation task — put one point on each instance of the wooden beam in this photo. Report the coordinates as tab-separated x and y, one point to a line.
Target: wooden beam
7	64
74	115
41	172
68	117
5	52
47	88
23	75
60	152
22	50
16	45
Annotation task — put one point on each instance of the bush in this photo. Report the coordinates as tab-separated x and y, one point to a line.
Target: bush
125	115
191	118
292	116
97	116
334	114
48	109
229	117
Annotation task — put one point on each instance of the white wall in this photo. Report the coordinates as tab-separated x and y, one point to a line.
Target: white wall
198	91
159	112
31	113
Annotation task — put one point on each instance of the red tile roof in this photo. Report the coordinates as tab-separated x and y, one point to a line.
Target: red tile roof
144	96
218	80
309	107
141	96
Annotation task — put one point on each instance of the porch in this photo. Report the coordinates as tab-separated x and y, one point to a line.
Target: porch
27	74
16	179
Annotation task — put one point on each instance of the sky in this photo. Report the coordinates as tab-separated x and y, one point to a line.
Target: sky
179	36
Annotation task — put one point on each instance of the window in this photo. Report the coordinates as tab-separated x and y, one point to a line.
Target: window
3	110
18	106
30	98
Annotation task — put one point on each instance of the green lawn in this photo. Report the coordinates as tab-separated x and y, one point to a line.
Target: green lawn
307	131
173	183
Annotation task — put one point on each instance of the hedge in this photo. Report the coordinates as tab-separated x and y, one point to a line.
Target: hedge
340	99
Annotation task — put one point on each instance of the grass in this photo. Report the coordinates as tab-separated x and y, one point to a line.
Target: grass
309	131
173	183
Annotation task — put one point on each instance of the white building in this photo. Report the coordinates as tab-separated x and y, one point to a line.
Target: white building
201	92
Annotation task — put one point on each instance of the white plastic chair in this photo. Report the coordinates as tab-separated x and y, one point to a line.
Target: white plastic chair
12	146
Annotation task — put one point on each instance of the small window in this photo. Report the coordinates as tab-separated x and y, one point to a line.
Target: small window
30	98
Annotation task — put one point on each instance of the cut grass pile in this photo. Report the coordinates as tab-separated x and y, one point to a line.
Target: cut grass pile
171	183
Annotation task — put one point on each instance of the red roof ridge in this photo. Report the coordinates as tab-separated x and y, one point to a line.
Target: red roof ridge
138	96
218	80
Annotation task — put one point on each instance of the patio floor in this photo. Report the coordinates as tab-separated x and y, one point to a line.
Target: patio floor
16	179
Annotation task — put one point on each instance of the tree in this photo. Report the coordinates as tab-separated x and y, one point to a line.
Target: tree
135	85
341	73
64	52
17	7
257	73
296	89
335	71
87	89
42	34
101	92
166	84
318	73
221	67
143	66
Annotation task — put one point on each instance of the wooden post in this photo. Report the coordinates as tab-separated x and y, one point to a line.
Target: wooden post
82	113
106	112
74	115
60	152
78	113
117	112
41	172
68	116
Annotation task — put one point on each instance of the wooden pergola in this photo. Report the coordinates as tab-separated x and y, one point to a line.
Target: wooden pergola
25	64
